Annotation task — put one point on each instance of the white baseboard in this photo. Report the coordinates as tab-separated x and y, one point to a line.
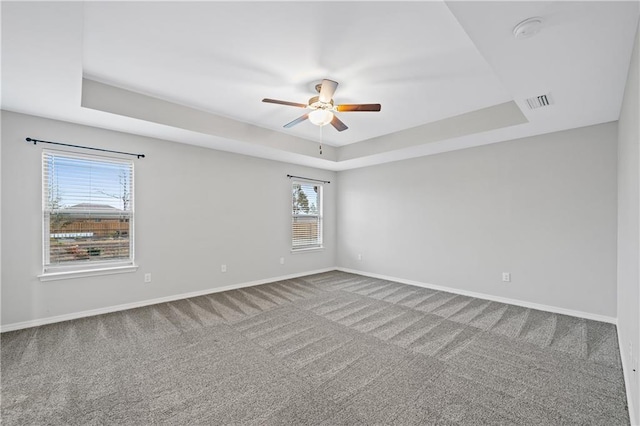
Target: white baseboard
626	372
116	308
516	302
123	307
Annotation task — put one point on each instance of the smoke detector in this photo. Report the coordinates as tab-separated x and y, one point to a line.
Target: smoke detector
527	28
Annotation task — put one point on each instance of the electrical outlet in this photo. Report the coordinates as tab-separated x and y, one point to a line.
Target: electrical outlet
223	268
506	277
147	277
282	260
359	256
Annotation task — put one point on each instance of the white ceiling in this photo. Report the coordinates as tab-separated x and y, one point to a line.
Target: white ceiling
196	72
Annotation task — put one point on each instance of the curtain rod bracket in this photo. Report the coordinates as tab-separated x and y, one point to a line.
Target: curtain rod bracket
35	141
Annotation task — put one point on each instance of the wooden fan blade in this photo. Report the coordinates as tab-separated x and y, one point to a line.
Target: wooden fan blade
338	124
327	90
358	107
296	121
275	101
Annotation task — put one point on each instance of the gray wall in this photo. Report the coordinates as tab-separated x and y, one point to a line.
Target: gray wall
629	232
542	208
196	209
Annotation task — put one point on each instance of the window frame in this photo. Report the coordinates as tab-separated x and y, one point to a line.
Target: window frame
320	218
84	268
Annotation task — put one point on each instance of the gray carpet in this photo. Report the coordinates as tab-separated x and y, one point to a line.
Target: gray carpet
332	348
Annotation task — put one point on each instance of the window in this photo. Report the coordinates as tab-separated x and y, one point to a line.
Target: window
87	212
306	215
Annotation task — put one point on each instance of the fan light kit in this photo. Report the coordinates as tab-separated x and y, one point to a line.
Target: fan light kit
320	117
527	28
323	108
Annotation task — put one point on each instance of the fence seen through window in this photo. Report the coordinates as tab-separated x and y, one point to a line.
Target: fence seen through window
87	210
306	219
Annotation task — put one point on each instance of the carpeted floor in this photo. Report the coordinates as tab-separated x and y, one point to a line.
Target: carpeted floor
332	348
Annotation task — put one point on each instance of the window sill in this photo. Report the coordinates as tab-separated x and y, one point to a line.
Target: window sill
54	276
307	250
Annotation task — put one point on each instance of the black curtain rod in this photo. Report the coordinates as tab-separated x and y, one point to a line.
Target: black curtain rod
305	178
84	147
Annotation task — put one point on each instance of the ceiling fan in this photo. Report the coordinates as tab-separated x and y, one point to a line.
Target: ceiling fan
323	108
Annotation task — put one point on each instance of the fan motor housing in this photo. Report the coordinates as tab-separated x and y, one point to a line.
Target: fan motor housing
315	103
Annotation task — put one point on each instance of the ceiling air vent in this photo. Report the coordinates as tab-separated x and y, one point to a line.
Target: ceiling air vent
538	101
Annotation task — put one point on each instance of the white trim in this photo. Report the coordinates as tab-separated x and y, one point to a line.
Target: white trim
124	307
318	216
540	307
54	276
109	309
94	267
627	366
307	250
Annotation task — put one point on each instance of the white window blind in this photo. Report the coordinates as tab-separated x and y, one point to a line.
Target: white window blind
87	211
306	215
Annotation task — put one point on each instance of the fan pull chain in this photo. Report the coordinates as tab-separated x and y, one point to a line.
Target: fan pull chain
321	139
